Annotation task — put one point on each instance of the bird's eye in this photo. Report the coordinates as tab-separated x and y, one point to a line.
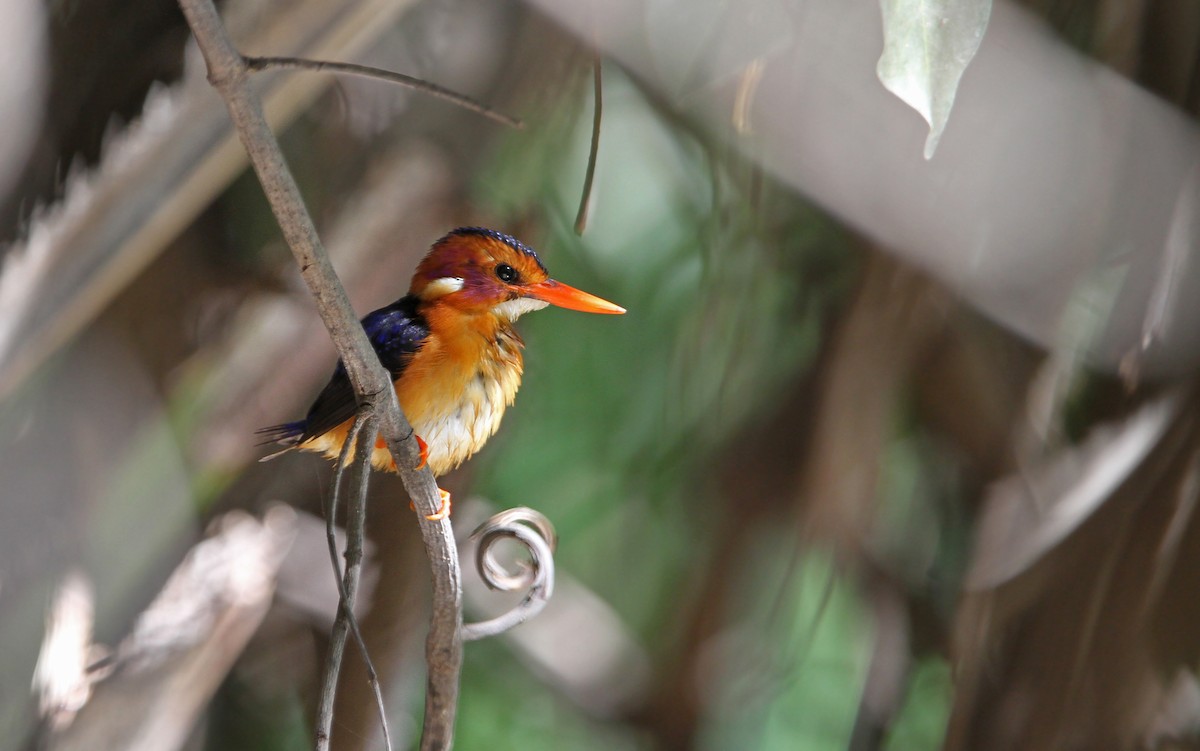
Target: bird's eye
506	273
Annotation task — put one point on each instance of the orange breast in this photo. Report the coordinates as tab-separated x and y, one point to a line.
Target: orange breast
454	392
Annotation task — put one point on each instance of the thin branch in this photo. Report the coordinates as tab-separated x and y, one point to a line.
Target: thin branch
366	71
361	436
356	524
337	637
589	177
228	75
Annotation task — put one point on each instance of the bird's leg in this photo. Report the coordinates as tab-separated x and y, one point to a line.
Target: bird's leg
381	445
424	452
444	509
424	448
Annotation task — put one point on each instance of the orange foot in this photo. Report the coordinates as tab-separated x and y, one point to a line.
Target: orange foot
444	509
424	451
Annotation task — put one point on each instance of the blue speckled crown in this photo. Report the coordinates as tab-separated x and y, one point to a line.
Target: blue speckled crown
508	240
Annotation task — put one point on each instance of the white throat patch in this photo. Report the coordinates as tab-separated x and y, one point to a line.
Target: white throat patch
511	310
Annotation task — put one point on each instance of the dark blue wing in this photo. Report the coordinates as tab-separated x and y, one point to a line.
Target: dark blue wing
396	332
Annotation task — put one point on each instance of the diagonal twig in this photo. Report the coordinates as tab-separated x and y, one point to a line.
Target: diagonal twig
227	73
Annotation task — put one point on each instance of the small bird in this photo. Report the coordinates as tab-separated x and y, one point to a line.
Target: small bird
451	349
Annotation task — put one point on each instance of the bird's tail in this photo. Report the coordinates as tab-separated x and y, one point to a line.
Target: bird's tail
288	434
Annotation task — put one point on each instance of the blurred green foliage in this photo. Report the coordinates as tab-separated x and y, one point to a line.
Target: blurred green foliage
621	423
503	707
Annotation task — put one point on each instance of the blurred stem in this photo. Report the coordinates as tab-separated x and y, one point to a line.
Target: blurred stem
372	385
589	177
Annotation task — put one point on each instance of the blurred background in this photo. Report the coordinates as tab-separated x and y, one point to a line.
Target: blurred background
888	453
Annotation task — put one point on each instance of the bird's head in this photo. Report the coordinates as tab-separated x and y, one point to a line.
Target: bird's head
478	271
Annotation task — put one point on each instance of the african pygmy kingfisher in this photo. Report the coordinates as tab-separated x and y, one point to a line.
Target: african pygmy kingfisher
451	349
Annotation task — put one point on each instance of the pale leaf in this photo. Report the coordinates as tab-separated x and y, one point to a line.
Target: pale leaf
927	44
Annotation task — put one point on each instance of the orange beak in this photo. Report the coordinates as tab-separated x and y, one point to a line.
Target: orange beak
557	293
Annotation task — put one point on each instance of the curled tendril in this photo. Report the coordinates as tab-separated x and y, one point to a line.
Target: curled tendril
533	530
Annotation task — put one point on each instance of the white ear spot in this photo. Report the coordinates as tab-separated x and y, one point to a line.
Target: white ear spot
511	310
439	287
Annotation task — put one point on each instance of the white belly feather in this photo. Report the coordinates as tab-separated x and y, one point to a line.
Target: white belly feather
463	429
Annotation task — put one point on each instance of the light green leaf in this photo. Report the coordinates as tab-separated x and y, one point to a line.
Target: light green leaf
927	44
